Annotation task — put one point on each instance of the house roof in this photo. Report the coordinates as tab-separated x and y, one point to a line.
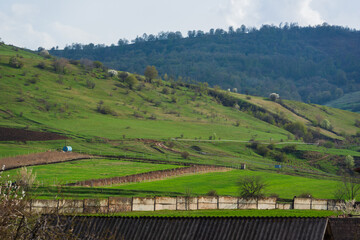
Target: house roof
345	228
197	227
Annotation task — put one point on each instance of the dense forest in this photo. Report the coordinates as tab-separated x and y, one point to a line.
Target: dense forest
311	64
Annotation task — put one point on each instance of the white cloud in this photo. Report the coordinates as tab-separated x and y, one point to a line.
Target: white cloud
71	34
22	34
23	9
258	12
309	16
242	11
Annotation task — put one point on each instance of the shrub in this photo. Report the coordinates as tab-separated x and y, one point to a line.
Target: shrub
305	195
60	65
212	193
112	72
262	150
152	117
15	63
123	75
254	144
298	128
357	123
32	80
271	146
326	124
349	189
90	84
185	155
274	195
165	90
289	148
97	64
131	81
274	96
173	99
20	99
170	144
44	53
41	65
74	62
101	108
280	157
349	161
328	144
251	187
26	178
137	115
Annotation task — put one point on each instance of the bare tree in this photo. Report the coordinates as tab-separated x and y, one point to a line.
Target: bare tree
16	220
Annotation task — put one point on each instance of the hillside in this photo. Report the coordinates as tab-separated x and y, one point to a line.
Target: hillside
127	117
350	102
309	64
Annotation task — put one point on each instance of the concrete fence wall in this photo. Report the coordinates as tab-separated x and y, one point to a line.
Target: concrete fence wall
122	204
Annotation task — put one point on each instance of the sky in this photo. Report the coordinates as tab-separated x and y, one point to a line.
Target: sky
48	23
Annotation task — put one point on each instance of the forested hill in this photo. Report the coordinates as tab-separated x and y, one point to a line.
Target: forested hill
311	64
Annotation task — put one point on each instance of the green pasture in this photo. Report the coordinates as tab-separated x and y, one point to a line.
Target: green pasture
343	121
225	183
73	171
334	151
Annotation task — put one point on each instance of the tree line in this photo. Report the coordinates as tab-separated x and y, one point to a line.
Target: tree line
311	64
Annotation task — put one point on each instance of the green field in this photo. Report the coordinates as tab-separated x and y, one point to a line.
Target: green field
69	172
225	184
112	120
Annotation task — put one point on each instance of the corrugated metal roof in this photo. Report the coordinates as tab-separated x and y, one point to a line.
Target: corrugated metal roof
196	228
345	228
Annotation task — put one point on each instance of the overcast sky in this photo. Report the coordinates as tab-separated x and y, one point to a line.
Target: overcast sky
48	23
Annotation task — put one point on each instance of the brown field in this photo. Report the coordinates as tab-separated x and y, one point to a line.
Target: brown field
16	134
40	158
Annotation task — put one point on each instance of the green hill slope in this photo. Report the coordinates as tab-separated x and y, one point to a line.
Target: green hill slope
350	102
315	64
102	114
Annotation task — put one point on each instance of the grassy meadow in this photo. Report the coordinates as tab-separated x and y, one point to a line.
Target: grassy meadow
104	116
70	172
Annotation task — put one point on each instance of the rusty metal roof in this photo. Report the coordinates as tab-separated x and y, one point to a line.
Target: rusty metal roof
143	228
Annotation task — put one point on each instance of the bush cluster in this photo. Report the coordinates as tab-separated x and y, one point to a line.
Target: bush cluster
15	62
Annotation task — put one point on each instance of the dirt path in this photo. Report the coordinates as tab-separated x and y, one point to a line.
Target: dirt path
40	158
150	176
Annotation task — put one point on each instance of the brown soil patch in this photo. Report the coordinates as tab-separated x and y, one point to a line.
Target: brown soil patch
150	176
40	158
16	134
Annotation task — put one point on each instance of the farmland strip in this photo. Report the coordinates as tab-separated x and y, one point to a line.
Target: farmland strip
150	176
